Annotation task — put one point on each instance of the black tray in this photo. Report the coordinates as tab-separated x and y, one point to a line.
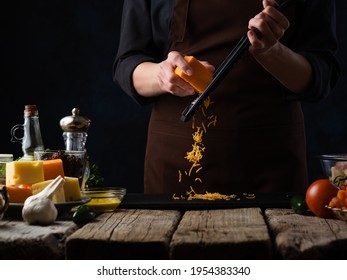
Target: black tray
152	201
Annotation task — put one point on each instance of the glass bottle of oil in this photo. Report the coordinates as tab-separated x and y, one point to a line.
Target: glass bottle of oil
31	140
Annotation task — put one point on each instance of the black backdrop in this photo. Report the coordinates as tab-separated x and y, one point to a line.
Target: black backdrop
58	54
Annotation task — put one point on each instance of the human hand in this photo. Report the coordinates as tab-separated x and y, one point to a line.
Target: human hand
272	25
169	81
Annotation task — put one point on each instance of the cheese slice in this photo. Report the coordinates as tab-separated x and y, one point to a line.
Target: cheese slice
72	189
18	194
24	172
201	76
53	168
58	196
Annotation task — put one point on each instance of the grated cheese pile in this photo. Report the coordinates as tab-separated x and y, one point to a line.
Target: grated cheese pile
208	196
192	194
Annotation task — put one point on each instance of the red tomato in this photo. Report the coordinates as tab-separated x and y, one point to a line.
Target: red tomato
319	194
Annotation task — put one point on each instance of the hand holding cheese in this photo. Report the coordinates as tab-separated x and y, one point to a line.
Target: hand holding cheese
201	76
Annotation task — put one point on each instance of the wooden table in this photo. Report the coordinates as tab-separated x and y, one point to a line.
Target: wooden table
19	241
246	233
142	233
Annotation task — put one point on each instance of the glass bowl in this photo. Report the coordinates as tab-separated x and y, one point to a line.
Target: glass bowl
341	214
74	162
104	199
335	168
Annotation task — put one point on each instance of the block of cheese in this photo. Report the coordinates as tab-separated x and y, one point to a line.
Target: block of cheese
201	76
72	189
58	196
18	194
53	168
24	172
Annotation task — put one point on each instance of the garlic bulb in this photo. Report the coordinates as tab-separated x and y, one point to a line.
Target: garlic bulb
39	208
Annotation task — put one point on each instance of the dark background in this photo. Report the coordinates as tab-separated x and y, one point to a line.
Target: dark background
58	54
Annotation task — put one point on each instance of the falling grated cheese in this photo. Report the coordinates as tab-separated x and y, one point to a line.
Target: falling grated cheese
208	102
197	136
213	122
204	127
179	176
192	167
203	111
199	169
195	155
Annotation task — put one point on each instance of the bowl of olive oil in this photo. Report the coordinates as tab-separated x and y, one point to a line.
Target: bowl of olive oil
104	199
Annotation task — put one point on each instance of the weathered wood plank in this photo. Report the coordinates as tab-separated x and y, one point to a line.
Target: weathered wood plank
20	241
222	234
125	234
306	236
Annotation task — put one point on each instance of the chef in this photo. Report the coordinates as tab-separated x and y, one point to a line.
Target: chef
249	135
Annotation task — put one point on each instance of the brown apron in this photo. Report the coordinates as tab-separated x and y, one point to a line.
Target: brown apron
247	138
